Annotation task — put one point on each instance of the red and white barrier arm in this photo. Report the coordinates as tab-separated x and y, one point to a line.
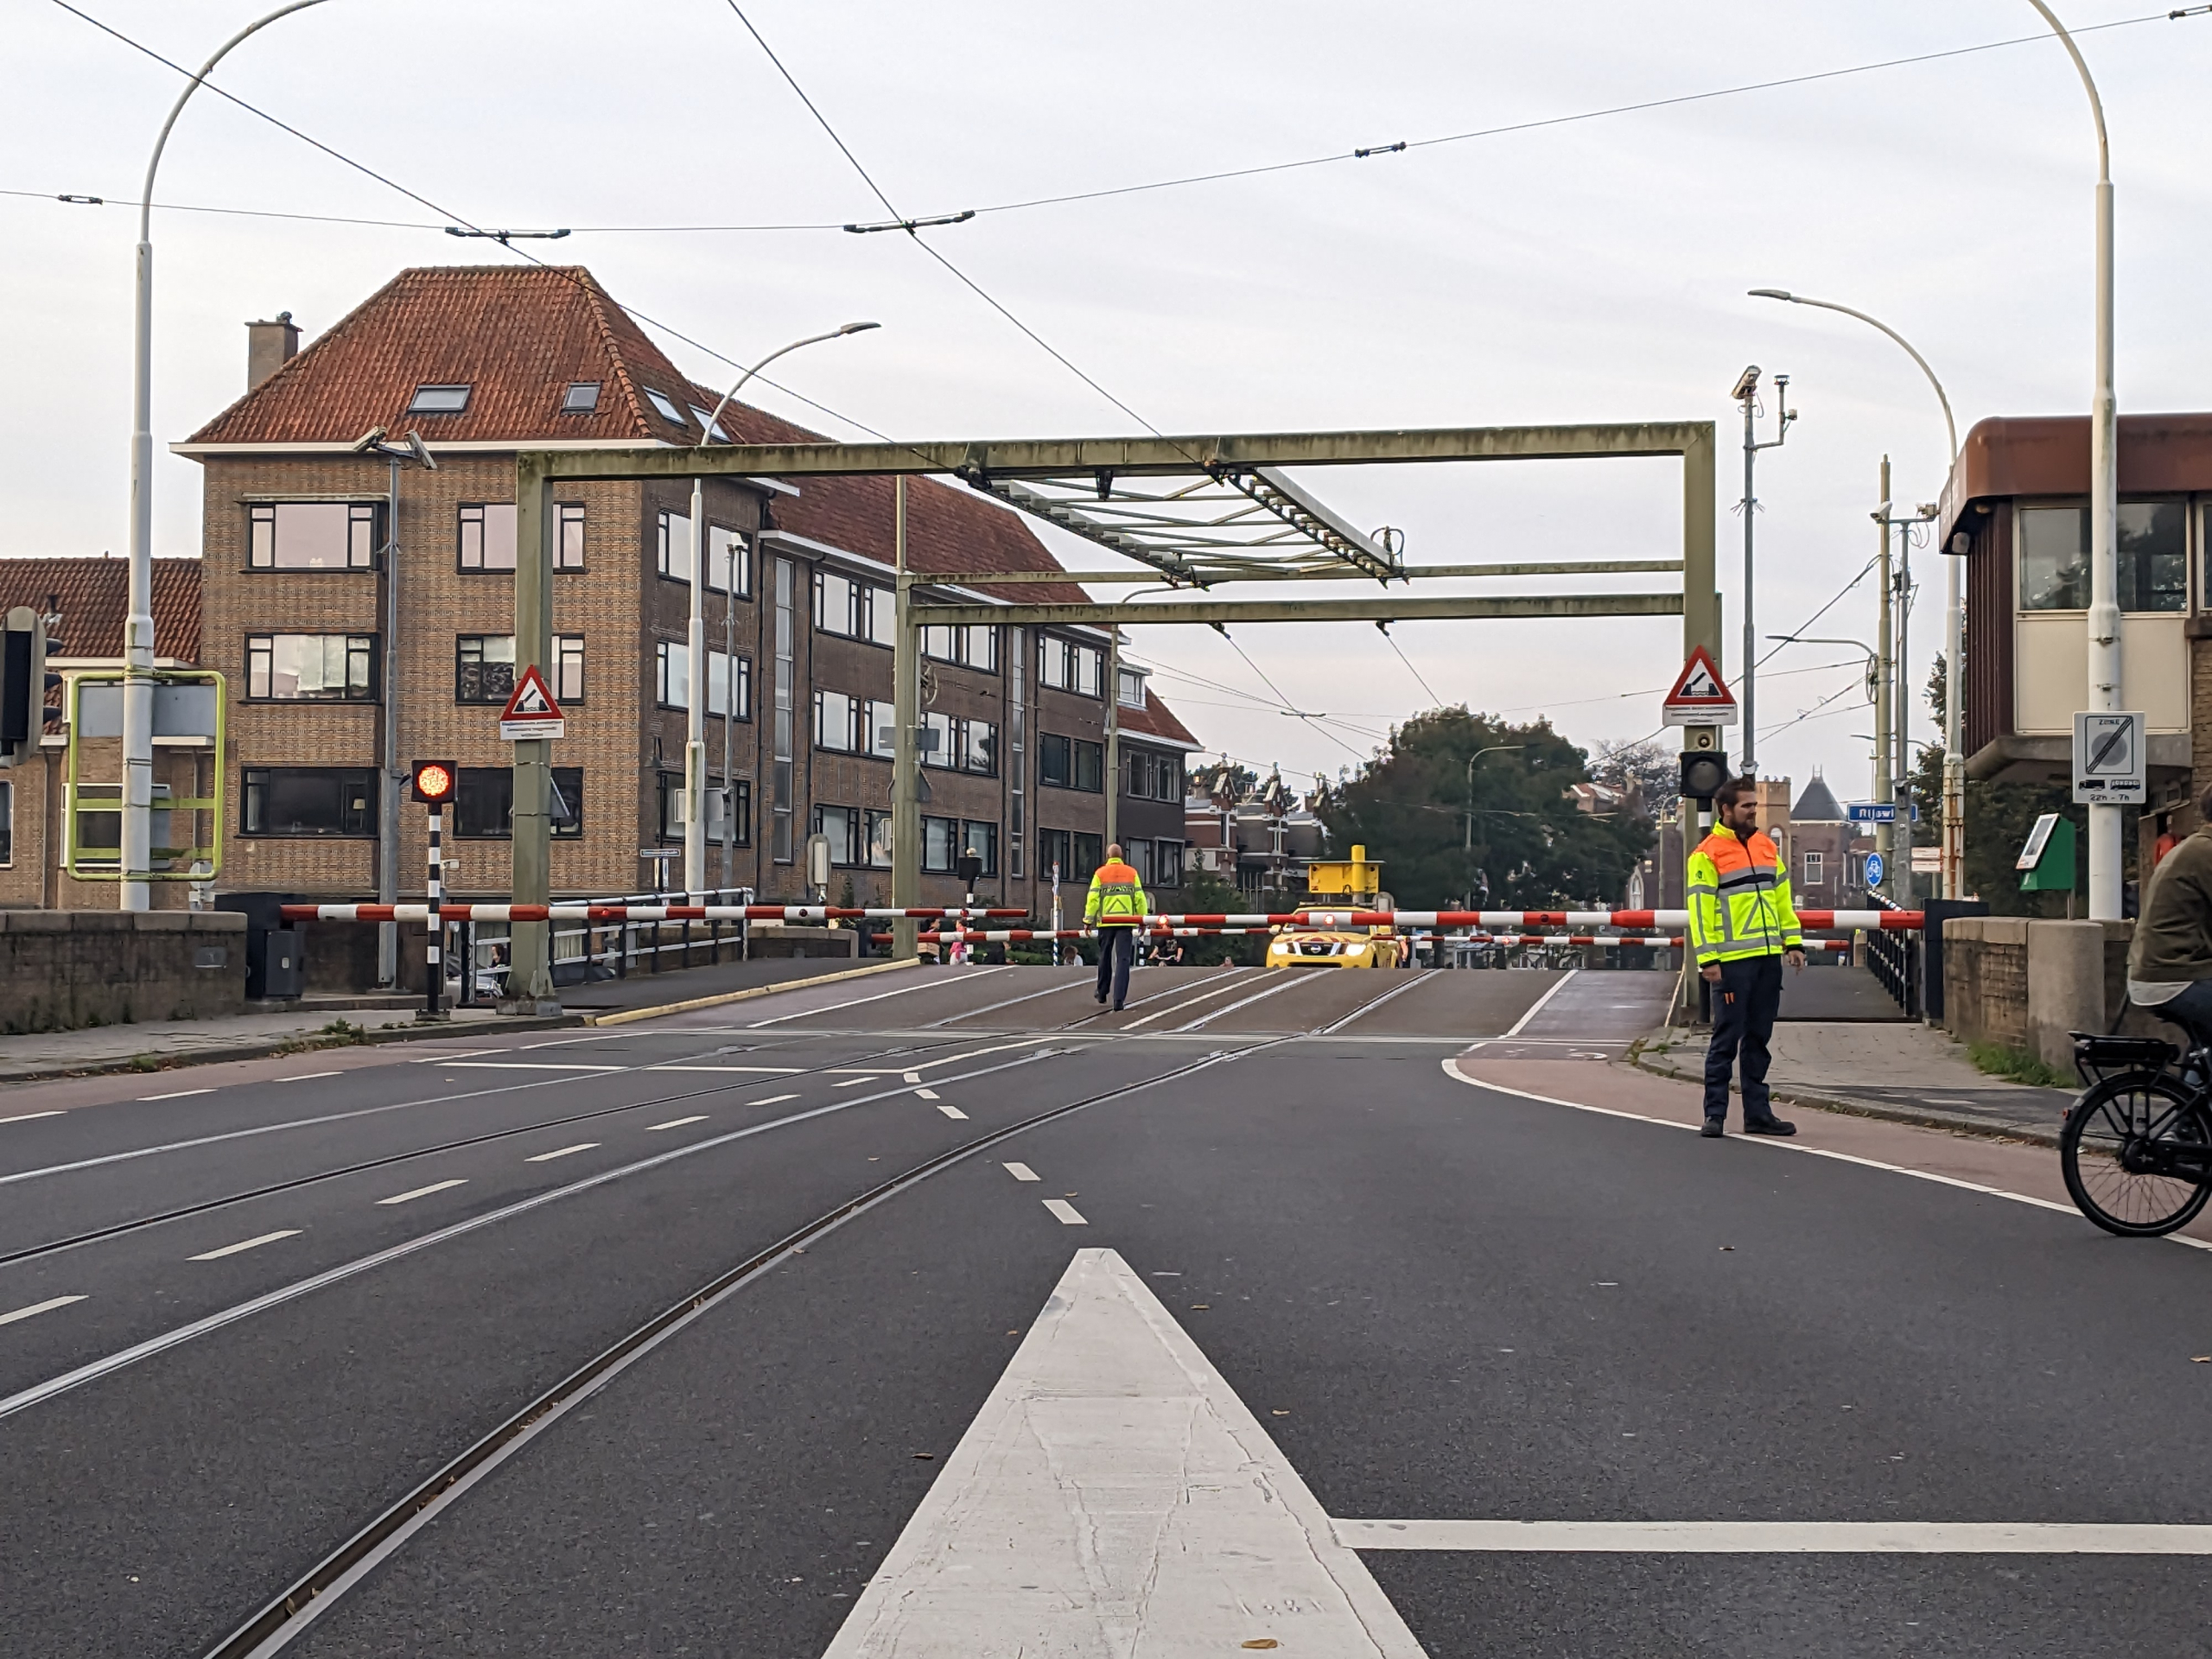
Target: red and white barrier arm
590	913
1892	921
1018	935
1659	943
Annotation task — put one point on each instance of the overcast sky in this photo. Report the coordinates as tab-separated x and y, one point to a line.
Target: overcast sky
1593	271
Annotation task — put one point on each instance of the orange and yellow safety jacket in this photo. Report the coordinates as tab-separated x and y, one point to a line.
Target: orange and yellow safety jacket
1739	896
1116	897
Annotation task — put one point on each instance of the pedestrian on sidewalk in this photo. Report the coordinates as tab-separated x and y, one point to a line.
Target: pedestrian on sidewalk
1116	908
2170	959
1742	928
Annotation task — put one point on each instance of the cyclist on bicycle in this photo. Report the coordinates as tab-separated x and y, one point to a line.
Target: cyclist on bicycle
2170	961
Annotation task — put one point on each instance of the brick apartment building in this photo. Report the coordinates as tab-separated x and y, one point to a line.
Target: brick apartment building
329	641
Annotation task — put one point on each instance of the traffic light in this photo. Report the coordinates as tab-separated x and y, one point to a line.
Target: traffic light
1703	772
23	681
434	781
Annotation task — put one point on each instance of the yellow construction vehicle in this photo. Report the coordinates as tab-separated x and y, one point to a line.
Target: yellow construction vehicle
1354	884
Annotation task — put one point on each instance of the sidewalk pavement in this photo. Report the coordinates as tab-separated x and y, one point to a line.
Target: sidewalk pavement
1897	1069
157	1045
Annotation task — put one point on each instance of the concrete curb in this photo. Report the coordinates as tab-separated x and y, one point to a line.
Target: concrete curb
1925	1117
626	1015
264	1048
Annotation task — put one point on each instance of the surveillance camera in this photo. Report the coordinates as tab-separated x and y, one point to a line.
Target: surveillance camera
421	451
1961	542
1746	383
368	440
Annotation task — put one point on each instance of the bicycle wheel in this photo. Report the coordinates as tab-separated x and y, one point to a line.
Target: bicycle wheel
2136	1151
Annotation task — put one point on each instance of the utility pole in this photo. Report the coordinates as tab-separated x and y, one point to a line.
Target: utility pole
695	716
906	714
1884	671
1113	779
1747	392
529	973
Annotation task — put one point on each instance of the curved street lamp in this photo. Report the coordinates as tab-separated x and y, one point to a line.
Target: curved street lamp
1954	827
138	624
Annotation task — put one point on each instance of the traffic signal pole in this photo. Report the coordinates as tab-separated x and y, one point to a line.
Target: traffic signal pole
906	715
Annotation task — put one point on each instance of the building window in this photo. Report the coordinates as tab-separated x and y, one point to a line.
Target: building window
850	725
668	410
1070	763
439	400
1167	863
738	799
2152	557
580	399
1131	681
847	830
1815	869
959	745
311	667
484	668
940	844
7	822
483	803
853	610
568	537
672	674
730	680
1077	855
878	841
975	647
708	424
313	535
1148	776
982	840
1067	666
309	801
488	536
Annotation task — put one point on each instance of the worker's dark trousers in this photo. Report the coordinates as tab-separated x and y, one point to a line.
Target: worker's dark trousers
1745	1003
1117	950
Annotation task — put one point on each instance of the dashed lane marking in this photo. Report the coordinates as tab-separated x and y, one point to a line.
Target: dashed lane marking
310	1076
772	1100
1786	1537
764	1071
926	1094
952	1111
37	1308
25	1117
678	1123
177	1094
420	1191
529	1065
1068	1214
1021	1172
244	1245
802	1014
561	1152
1290	977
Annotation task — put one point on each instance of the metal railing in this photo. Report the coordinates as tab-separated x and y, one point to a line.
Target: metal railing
584	952
1895	960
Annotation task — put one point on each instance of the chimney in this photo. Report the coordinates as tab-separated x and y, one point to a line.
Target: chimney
269	347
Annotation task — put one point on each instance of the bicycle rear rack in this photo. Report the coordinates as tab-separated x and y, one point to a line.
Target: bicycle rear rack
2096	1054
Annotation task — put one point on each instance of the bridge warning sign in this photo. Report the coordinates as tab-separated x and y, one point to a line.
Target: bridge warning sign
531	712
1699	697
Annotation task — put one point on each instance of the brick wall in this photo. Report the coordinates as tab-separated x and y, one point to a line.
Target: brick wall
66	970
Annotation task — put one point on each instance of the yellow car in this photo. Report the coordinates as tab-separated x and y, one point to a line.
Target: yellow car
1347	947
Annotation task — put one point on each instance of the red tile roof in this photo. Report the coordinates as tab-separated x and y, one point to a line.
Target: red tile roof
93	596
1155	719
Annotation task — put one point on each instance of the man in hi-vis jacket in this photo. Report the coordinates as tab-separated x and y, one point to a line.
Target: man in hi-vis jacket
1116	908
1742	927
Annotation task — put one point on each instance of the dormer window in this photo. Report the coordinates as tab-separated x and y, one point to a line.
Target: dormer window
581	398
439	400
669	411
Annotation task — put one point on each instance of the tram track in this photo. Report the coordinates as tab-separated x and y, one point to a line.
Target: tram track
122	1229
288	1616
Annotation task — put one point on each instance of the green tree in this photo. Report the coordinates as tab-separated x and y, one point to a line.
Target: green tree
1206	893
1512	840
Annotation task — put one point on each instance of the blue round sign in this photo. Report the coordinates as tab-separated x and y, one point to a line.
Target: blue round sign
1874	869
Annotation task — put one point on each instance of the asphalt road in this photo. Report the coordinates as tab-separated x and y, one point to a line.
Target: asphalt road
1443	1301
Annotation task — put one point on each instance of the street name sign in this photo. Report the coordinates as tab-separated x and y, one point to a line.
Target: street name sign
531	712
1874	811
2109	760
1699	697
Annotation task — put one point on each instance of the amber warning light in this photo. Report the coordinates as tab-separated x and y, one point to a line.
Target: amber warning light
434	781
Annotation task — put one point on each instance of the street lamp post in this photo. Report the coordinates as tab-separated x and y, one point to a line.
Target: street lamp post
138	626
1746	393
2104	624
694	745
1495	748
1953	829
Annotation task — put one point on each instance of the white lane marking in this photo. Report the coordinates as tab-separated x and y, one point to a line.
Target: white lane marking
1113	1471
310	1076
420	1191
244	1244
1538	1007
37	1308
926	1094
993	1007
1236	978
854	1083
547	1157
764	1071
450	1055
1068	1214
1290	977
1453	1071
912	1076
92	1370
531	1066
1021	1172
1418	976
802	1014
178	1094
776	1100
952	1111
678	1123
1783	1537
25	1117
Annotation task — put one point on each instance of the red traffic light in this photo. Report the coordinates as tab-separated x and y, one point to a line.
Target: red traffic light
434	781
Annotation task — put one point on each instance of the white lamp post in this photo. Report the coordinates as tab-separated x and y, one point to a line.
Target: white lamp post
2104	643
138	626
1954	831
695	727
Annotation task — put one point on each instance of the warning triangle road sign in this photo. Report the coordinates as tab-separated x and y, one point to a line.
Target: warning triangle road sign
531	712
1699	697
